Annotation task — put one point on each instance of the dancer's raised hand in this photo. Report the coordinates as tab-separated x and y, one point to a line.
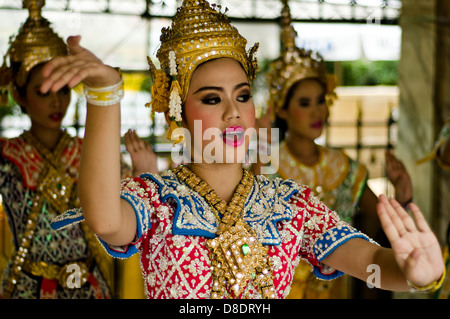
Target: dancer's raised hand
80	65
416	248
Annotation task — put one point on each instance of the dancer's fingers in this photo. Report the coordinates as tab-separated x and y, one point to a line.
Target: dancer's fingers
407	221
420	220
387	224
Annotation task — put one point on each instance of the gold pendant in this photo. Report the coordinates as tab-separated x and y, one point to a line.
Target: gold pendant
237	258
57	188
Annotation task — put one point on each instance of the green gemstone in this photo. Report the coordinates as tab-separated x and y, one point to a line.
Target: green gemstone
58	186
245	249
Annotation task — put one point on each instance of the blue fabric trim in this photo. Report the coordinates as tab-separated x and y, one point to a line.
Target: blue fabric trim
141	228
190	219
172	182
360	235
333	275
284	190
329	241
134	202
129	251
74	216
67	219
290	183
191	216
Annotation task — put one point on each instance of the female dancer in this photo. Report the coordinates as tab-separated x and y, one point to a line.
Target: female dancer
210	229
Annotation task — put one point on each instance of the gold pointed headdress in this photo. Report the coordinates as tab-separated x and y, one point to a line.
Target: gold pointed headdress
294	65
35	43
199	33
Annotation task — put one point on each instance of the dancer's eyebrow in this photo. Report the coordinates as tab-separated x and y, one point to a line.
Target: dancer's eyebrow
218	88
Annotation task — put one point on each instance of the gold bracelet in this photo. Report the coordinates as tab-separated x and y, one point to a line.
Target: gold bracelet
435	285
105	96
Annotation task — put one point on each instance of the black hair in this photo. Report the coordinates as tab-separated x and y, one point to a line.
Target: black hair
21	90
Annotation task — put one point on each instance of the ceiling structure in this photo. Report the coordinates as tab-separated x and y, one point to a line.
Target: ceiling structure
342	11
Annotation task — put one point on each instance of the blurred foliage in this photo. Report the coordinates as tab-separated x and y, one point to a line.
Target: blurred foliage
260	81
146	83
354	73
369	73
8	110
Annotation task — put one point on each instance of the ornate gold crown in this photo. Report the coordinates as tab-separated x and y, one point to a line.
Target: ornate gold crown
35	43
199	33
294	65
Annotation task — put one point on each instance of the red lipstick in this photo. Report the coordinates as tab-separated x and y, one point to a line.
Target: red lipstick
57	116
317	125
233	136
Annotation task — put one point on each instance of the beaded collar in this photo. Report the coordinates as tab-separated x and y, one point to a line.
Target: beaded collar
29	155
267	204
236	255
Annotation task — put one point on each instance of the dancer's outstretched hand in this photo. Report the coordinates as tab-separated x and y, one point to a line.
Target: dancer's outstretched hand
416	248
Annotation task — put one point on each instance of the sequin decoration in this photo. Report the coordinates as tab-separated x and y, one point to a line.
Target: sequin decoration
231	267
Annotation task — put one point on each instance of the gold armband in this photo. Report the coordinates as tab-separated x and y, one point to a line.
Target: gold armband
105	96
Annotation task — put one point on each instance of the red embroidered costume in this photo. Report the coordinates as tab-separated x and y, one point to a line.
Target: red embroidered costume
174	223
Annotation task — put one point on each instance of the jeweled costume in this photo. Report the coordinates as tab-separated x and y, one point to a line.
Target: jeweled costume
336	179
37	185
192	244
177	229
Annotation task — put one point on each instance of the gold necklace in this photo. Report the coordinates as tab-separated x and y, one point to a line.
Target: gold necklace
236	254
